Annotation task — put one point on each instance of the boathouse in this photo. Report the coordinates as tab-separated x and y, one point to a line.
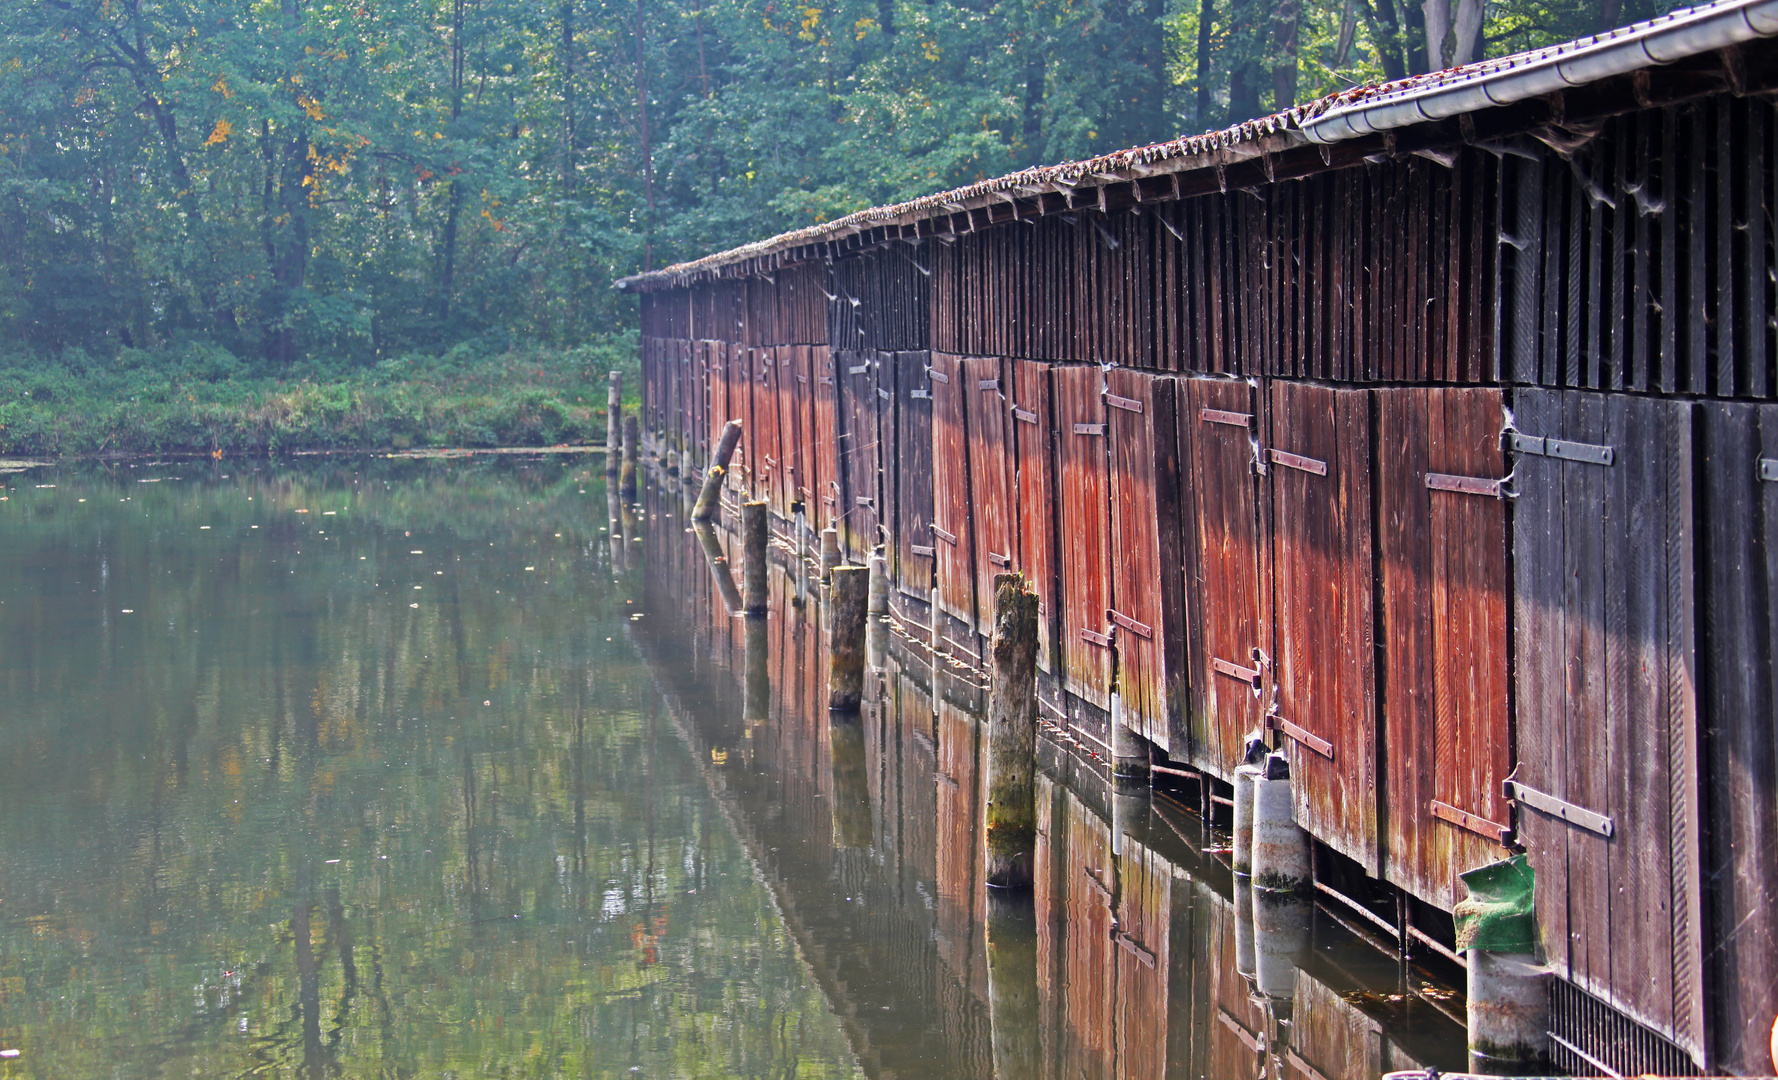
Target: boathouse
1430	429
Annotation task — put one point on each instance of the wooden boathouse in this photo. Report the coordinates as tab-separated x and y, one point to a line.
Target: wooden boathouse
1430	428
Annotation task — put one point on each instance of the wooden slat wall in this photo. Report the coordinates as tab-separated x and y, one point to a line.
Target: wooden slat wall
1607	717
1738	573
1326	679
992	508
1147	564
824	507
1444	588
1089	963
1085	531
953	533
1034	444
913	543
1144	916
860	448
1228	579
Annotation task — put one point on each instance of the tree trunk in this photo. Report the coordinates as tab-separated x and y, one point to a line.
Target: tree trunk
647	149
1437	14
1206	24
1031	126
1284	53
1385	34
1467	48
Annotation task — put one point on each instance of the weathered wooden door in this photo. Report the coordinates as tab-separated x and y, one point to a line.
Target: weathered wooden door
1608	788
1738	569
1144	920
913	539
1226	568
767	453
1442	546
1033	429
1147	599
1319	460
952	520
990	480
1084	527
824	508
860	455
740	398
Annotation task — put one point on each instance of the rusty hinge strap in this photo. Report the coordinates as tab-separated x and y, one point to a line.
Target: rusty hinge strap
1768	468
1297	461
998	559
1585	453
1093	876
1475	823
826	380
1578	816
1219	416
1095	637
858	370
987	384
922	549
1301	1065
1303	735
1140	629
1124	403
949	538
1248	1038
882	393
1464	485
1137	949
863	500
937	376
1248	675
1026	415
1089	429
920	395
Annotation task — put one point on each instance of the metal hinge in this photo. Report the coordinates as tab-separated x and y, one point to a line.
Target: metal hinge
1578	816
921	549
882	393
1094	637
988	384
1585	453
920	395
1219	416
859	370
937	376
1026	415
1124	403
999	560
1465	485
1300	734
1236	671
1089	429
1475	823
1768	468
949	538
1140	629
1297	461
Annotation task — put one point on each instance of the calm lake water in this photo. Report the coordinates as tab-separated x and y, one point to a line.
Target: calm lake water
402	768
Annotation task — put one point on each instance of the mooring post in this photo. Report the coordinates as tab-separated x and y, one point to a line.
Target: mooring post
851	780
632	448
1012	734
711	496
719	568
1281	865
1250	769
1129	752
879	583
757	704
848	600
830	552
753	554
614	422
1013	1009
1508	999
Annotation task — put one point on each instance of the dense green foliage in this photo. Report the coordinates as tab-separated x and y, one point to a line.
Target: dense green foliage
361	179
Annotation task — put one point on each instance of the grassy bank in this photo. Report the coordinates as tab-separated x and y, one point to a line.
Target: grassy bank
199	399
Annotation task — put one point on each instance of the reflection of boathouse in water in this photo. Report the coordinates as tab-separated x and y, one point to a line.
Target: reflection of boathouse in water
1423	428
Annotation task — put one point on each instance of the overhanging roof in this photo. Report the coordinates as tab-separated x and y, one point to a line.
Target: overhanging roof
1380	109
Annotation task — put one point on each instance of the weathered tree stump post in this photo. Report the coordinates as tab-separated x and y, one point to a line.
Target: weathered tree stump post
620	552
719	568
1013	1008
753	552
1012	734
711	495
830	552
845	680
632	454
757	704
851	780
614	423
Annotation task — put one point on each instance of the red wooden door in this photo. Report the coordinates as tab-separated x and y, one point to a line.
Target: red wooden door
990	479
1147	604
1227	565
1084	527
1442	545
740	399
1033	430
1320	469
858	509
953	538
912	466
825	505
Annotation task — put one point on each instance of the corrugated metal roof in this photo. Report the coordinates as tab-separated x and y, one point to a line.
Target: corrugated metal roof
1348	114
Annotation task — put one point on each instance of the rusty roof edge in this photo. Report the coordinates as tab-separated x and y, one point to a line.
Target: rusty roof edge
1663	40
1349	114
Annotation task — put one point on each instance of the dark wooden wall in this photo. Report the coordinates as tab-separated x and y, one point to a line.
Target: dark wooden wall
1276	458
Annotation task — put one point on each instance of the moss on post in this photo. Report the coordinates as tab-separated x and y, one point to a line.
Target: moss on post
1012	734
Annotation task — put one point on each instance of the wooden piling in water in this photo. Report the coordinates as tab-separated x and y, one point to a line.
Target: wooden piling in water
711	495
753	551
830	551
720	569
614	422
850	595
1012	734
632	453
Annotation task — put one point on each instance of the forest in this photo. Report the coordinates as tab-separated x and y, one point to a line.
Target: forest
341	193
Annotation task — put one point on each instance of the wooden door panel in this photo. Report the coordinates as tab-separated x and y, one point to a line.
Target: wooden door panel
1084	529
952	532
1607	722
1219	425
1033	426
984	393
1442	546
856	514
1147	607
1320	468
824	506
914	478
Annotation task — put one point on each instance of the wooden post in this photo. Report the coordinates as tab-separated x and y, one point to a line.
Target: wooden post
758	700
719	567
845	680
632	439
614	423
851	780
830	551
753	554
1012	985
1012	734
879	583
711	496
